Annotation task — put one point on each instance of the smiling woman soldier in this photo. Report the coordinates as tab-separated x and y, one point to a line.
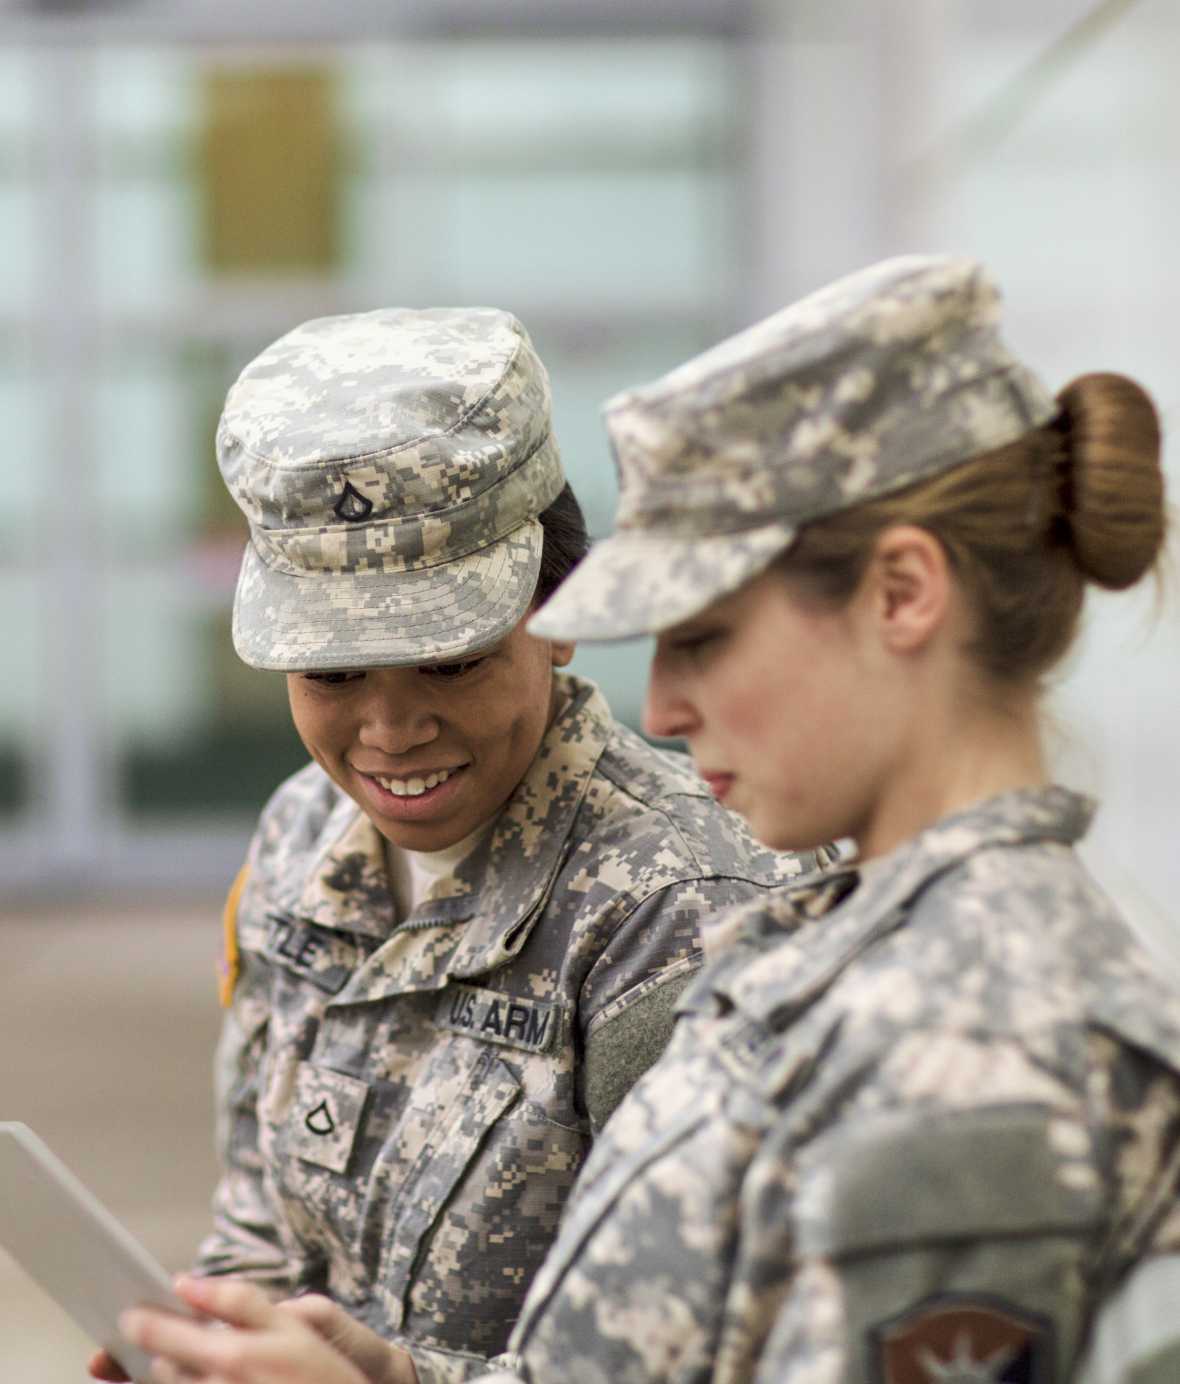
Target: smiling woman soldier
461	931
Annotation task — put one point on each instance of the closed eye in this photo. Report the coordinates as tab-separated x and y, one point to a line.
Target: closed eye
694	642
450	672
332	679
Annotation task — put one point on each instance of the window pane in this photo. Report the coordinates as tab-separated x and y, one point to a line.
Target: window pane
21	687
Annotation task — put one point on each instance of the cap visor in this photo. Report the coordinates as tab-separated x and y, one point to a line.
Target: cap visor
636	583
321	621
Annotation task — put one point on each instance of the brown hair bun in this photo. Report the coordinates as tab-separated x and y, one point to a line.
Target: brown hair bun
1113	483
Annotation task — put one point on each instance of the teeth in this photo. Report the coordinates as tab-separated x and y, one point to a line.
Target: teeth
415	787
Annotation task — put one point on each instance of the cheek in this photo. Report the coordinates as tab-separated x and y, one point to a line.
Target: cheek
763	706
313	727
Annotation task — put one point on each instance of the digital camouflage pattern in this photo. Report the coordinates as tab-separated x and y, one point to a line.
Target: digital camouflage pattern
406	1104
399	458
913	1126
878	380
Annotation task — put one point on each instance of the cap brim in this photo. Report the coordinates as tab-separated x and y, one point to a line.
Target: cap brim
321	622
638	582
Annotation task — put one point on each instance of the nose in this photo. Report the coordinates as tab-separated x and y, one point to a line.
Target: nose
396	715
668	712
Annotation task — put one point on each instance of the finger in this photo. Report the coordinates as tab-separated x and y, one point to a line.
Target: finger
102	1366
228	1299
165	1372
326	1318
314	1310
193	1346
371	1353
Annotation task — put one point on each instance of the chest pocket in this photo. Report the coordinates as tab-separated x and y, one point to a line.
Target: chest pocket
326	1114
479	1211
447	1156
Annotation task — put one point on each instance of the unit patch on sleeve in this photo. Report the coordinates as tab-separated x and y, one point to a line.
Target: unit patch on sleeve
229	967
498	1018
962	1339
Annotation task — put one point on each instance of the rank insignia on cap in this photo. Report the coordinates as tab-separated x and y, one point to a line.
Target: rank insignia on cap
962	1339
352	505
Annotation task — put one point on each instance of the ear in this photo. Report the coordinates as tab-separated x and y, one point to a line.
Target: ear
560	652
911	587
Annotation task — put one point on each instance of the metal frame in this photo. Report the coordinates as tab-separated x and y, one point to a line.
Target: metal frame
304	21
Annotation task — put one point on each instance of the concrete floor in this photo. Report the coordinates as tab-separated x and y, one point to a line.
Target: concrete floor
107	1024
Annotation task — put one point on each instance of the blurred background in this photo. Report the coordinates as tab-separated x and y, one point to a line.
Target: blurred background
182	181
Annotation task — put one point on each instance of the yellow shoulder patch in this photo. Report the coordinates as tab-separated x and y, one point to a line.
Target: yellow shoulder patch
230	965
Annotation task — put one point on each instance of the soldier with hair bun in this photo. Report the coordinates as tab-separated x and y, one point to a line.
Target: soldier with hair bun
919	1120
461	931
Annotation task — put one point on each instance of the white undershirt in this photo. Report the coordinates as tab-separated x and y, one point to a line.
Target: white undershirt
412	874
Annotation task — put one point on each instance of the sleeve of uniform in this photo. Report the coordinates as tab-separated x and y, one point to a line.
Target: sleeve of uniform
246	1239
436	1366
628	1001
927	1239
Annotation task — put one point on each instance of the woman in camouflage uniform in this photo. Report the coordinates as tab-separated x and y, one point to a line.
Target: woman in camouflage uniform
461	931
920	1121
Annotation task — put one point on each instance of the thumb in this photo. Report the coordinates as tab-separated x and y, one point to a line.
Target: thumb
377	1360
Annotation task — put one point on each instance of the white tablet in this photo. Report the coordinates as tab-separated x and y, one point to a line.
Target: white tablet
66	1240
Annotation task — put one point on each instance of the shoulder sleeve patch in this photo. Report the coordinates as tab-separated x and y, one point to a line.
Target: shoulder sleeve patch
979	1340
230	965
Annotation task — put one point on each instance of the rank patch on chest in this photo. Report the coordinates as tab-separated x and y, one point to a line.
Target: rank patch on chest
962	1339
325	1116
496	1017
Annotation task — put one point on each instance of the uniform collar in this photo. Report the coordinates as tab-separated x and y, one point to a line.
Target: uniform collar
520	859
347	886
797	943
497	891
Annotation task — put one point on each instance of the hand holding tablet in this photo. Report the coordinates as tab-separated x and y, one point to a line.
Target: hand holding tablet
70	1244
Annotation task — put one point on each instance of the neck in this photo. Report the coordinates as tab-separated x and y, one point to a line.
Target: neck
976	749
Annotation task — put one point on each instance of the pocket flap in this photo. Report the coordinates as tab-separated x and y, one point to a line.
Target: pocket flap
325	1116
490	1090
921	1176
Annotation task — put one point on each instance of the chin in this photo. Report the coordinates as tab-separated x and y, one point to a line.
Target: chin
785	836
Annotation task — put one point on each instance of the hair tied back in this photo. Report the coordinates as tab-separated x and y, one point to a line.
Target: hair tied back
1110	483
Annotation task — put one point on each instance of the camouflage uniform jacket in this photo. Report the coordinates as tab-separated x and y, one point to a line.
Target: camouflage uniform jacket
914	1140
404	1109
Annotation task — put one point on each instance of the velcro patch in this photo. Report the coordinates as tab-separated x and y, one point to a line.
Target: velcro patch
321	957
975	1339
498	1018
325	1115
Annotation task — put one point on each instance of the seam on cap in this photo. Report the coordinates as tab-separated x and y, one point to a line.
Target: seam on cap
930	465
401	446
436	515
320	576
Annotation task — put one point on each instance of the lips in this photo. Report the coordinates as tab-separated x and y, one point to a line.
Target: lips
414	796
717	782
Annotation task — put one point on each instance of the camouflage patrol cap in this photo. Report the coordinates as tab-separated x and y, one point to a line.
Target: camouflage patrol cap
884	377
391	465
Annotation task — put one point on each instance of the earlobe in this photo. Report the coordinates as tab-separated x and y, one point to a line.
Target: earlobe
913	575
